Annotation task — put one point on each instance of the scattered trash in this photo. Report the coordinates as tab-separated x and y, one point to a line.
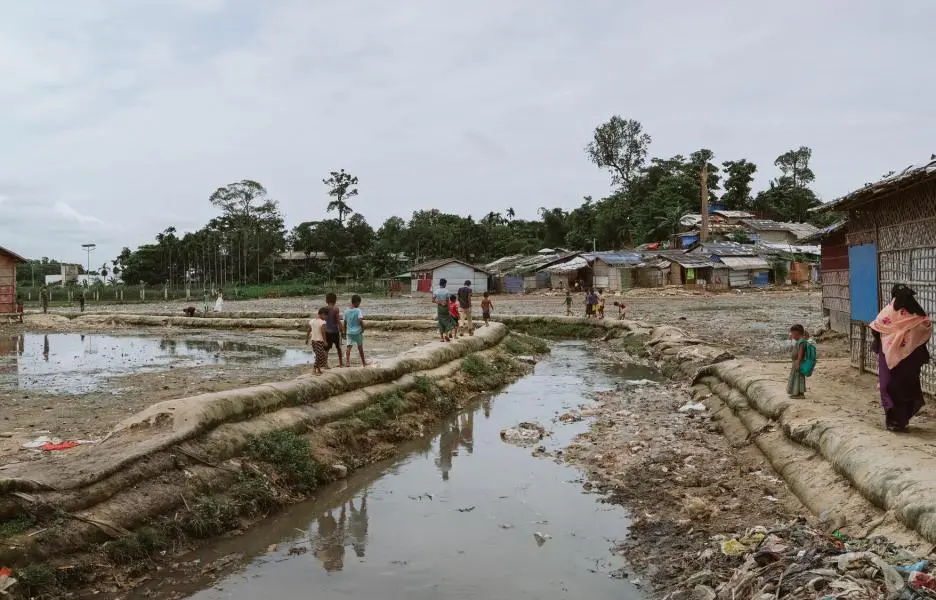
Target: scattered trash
271	548
692	407
340	470
298	550
505	526
524	434
541	538
467	509
570	418
52	447
47	444
6	579
797	562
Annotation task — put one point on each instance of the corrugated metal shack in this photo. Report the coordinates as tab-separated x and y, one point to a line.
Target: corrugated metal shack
738	265
613	270
688	269
653	272
891	238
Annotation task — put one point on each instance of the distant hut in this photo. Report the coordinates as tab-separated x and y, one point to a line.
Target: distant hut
8	260
833	272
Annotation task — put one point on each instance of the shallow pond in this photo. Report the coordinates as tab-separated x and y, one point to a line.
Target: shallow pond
73	363
454	516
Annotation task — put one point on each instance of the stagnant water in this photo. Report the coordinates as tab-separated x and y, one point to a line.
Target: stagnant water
72	363
454	516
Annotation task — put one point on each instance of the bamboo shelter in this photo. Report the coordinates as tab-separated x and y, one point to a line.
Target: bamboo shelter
891	239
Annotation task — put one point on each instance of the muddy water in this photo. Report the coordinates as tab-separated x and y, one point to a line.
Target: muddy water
72	363
453	517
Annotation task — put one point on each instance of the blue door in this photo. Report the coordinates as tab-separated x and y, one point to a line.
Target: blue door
863	282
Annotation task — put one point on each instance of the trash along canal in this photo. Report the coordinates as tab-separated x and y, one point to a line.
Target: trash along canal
460	513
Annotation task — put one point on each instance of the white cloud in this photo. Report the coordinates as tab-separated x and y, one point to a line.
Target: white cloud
134	114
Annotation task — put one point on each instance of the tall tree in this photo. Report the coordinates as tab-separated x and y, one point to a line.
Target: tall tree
794	164
789	198
341	186
737	194
621	146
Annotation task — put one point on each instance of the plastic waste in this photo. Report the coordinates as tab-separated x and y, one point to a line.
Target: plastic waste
6	580
733	548
922	581
52	447
692	407
917	566
541	538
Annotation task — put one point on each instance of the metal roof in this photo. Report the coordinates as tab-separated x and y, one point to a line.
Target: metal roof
798	229
573	264
775	248
688	261
13	254
825	232
873	191
744	263
733	214
722	249
432	265
614	258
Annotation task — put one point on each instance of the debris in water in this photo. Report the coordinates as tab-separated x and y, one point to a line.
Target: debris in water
297	550
505	526
467	509
541	538
692	407
524	434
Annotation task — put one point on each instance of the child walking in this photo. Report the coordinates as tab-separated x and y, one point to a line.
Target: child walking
486	306
568	303
333	327
315	335
796	383
453	311
354	330
601	304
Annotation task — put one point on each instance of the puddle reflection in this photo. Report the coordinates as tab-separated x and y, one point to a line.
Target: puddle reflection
73	363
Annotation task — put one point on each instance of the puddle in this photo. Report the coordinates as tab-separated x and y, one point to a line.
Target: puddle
454	516
72	363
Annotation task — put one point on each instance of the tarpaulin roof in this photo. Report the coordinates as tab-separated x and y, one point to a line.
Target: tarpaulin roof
776	248
910	176
744	263
687	261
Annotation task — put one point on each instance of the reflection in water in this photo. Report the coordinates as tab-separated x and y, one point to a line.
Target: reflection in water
457	432
82	362
335	534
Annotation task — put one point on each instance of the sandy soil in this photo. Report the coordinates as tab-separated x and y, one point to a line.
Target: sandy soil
751	322
31	413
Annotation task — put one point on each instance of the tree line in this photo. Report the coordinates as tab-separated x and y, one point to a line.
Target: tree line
646	201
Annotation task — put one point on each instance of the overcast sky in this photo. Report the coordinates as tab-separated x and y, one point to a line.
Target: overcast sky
119	118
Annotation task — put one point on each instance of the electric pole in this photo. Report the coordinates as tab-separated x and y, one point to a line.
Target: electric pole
88	248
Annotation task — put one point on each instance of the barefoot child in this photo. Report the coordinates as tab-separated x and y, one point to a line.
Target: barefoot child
315	335
333	327
453	312
486	306
354	330
796	383
601	304
622	310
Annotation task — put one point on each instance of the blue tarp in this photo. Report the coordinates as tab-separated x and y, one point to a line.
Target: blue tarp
863	282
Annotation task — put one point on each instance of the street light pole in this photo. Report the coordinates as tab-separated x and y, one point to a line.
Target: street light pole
88	248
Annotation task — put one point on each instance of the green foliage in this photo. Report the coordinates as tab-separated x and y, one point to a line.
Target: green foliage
210	516
341	187
737	194
557	330
476	366
621	146
139	545
37	581
425	385
518	345
254	495
290	454
16	526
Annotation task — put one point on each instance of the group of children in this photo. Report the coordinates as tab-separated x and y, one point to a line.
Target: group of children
329	326
594	305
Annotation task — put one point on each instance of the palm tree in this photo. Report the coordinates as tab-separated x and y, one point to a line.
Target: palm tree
341	186
511	213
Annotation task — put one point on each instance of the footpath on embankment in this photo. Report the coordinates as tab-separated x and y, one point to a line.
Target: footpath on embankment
853	473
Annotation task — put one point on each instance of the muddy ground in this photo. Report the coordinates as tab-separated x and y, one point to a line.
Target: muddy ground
70	384
682	480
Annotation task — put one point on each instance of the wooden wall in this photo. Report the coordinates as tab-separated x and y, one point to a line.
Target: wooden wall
7	283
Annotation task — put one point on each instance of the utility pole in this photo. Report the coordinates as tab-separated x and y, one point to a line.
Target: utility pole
88	248
703	181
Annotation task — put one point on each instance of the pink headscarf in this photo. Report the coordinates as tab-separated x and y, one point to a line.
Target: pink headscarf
901	333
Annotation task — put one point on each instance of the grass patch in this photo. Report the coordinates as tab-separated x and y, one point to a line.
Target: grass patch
210	516
425	385
635	345
37	581
290	455
16	526
476	366
254	495
525	345
560	330
139	545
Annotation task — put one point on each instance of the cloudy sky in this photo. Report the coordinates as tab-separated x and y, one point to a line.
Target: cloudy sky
118	118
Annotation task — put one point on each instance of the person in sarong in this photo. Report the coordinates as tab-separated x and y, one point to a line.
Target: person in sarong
443	314
796	382
901	333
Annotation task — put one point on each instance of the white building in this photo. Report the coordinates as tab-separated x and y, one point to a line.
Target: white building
426	276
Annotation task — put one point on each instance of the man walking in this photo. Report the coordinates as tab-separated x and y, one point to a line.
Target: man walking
44	298
464	304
